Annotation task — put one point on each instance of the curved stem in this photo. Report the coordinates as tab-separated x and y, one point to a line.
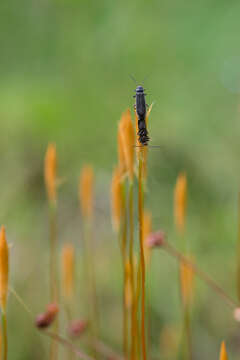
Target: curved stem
106	351
65	342
201	274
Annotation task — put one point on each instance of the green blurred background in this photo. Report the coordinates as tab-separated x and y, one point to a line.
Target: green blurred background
64	70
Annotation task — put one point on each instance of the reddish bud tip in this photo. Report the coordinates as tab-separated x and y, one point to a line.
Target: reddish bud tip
77	327
53	309
45	319
42	321
236	314
156	239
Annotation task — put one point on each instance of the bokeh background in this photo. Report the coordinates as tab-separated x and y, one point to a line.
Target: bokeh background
64	70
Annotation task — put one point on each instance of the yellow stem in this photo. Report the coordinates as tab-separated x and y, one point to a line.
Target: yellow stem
54	296
131	262
124	260
69	319
187	321
125	321
238	251
140	214
92	291
136	305
53	253
187	336
4	333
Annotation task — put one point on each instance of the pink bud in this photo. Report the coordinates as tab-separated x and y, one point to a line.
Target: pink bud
77	327
236	314
156	239
45	319
52	309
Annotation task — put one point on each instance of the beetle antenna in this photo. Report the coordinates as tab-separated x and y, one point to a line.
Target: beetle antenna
146	77
133	78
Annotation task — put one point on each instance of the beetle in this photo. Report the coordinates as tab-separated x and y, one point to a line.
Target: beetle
141	111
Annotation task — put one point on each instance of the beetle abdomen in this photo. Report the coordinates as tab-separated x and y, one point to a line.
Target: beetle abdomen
142	132
140	107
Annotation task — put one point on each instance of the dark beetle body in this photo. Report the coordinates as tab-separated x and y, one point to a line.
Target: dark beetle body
140	102
141	111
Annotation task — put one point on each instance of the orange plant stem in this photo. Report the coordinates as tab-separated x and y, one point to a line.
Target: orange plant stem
4	333
136	305
131	230
53	271
238	251
140	219
53	253
91	282
187	325
123	244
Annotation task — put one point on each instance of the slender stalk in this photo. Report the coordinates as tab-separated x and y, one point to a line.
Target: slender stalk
123	244
187	331
140	218
187	327
65	342
180	202
54	296
53	253
131	262
148	311
186	321
68	312
136	306
201	274
125	321
106	351
4	334
69	318
21	302
238	251
92	291
122	237
99	345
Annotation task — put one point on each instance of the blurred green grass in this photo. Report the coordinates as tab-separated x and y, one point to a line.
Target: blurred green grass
64	70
